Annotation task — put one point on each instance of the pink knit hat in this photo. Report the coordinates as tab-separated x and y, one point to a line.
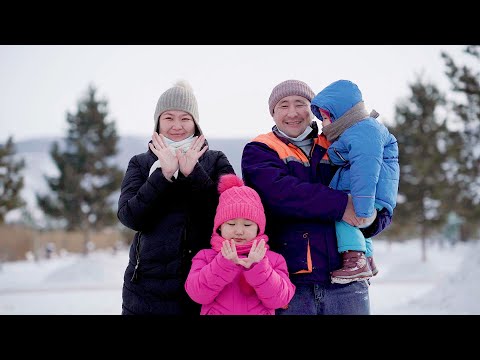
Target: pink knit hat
238	201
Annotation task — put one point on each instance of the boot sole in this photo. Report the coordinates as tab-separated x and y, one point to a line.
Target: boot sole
346	280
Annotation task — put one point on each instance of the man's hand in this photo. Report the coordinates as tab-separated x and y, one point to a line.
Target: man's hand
349	214
366	222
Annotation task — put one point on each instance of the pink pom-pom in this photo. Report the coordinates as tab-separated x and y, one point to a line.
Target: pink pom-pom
228	181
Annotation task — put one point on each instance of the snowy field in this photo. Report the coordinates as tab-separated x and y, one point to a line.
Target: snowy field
447	283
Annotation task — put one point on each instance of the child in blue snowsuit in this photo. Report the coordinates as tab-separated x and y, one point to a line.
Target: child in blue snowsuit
367	156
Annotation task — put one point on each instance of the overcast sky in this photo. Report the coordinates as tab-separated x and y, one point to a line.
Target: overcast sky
39	84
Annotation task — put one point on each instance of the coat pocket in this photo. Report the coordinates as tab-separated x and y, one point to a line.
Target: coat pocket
295	250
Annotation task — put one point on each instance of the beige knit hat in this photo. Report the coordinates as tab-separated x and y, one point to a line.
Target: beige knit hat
178	97
288	88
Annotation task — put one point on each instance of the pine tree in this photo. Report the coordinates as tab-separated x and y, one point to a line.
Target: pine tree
88	176
420	133
464	165
11	179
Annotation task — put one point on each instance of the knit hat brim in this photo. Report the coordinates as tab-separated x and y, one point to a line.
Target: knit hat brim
241	210
179	97
289	88
238	201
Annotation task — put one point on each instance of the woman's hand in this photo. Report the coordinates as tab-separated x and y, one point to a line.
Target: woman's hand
188	159
168	160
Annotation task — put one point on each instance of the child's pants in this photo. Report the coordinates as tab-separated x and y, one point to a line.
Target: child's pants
351	238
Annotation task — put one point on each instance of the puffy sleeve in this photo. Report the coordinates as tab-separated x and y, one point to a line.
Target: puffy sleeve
207	279
270	279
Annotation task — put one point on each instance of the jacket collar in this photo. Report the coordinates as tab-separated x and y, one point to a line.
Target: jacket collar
313	134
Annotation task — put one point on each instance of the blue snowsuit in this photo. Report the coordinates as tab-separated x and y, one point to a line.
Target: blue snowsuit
367	154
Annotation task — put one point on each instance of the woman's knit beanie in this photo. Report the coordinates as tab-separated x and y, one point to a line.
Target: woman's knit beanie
178	97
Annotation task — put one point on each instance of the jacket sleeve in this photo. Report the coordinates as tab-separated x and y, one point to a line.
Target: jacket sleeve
199	178
365	154
207	279
381	222
138	194
271	282
287	195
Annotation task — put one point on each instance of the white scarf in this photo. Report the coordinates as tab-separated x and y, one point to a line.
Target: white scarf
183	145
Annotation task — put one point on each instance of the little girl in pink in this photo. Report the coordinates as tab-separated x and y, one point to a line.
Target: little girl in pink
239	275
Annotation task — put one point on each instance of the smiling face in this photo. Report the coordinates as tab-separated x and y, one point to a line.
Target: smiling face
176	125
241	230
292	115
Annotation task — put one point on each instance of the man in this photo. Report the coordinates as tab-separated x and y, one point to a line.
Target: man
290	170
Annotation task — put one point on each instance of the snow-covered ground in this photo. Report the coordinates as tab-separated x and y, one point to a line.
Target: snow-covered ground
447	283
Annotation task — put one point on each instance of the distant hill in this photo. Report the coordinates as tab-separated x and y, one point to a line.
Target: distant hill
233	148
38	162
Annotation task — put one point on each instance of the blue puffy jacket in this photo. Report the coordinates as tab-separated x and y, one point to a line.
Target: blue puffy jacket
366	152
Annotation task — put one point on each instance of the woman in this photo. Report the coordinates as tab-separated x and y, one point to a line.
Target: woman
169	197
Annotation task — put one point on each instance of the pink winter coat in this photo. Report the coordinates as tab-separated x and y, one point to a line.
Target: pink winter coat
224	288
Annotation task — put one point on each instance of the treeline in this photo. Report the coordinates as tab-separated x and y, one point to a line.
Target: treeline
438	135
81	197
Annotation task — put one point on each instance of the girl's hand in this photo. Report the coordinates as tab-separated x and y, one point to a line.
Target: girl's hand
256	254
229	251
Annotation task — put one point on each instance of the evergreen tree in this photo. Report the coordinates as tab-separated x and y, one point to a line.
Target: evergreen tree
11	179
88	175
420	133
464	164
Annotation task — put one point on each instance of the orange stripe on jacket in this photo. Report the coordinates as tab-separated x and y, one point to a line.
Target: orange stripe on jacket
309	262
286	152
283	150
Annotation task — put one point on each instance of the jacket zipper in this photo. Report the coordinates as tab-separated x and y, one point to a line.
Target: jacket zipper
137	256
341	157
308	156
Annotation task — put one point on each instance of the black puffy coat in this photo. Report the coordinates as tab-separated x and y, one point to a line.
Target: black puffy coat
173	220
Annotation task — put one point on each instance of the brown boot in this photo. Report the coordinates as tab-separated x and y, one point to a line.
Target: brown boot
355	268
372	265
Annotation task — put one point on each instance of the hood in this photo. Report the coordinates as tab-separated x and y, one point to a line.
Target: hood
337	98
